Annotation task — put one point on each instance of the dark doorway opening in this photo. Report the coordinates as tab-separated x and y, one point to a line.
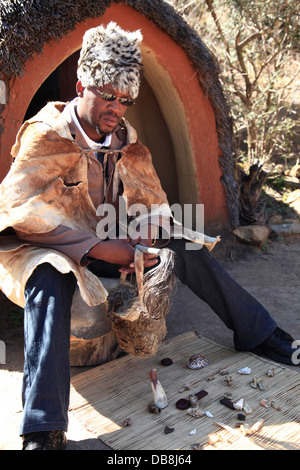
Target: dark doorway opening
59	86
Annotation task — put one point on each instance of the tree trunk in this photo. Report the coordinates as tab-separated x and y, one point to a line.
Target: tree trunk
251	186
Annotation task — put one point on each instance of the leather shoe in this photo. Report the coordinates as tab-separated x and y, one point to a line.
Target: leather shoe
277	347
44	440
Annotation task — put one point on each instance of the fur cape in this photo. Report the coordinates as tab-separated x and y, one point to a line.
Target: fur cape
47	185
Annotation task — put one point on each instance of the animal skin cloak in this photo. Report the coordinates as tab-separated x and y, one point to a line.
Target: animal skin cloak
47	186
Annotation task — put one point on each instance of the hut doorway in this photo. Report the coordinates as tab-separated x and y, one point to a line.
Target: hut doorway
146	117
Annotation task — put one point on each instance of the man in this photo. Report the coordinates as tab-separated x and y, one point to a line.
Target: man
69	159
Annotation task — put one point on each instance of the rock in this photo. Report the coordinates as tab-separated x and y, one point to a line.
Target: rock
293	200
275	220
291	182
252	234
278	169
286	229
295	170
290	220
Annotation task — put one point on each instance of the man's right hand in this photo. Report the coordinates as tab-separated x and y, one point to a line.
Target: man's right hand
116	251
120	251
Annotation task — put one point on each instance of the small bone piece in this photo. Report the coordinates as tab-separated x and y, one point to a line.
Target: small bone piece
196	446
127	422
254	383
257	426
217	438
209	379
233	431
261	385
264	403
271	373
193	399
228	380
245	429
239	405
254	428
223	372
275	406
196	412
247	408
184	388
153	409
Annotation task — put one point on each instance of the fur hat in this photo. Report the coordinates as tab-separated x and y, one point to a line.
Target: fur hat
111	56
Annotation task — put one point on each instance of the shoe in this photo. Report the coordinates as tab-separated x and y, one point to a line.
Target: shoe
45	440
278	347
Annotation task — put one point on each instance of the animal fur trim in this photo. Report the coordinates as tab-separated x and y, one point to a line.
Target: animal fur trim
111	56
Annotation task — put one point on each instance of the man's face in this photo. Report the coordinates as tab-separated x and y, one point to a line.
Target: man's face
96	115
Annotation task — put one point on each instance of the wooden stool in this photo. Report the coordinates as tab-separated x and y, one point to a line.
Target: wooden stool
93	341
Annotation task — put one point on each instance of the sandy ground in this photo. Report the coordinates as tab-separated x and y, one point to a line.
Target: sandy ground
272	276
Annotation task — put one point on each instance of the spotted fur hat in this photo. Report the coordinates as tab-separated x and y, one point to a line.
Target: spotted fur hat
111	56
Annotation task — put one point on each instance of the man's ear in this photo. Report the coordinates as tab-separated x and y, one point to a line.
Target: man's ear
79	89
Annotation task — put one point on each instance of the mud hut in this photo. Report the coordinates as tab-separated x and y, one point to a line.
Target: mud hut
181	113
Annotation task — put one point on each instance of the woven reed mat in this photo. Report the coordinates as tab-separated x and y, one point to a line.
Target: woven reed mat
103	397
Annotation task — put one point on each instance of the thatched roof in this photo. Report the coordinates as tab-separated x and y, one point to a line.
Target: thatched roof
27	25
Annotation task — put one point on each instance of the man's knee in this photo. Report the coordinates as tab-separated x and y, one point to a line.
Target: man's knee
46	275
186	249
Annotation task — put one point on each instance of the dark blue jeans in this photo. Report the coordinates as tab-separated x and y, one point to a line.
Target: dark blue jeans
239	311
48	295
46	380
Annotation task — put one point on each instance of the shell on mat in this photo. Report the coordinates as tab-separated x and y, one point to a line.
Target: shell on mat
196	361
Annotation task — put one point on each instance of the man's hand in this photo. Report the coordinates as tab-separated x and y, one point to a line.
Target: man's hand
149	259
117	251
120	251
